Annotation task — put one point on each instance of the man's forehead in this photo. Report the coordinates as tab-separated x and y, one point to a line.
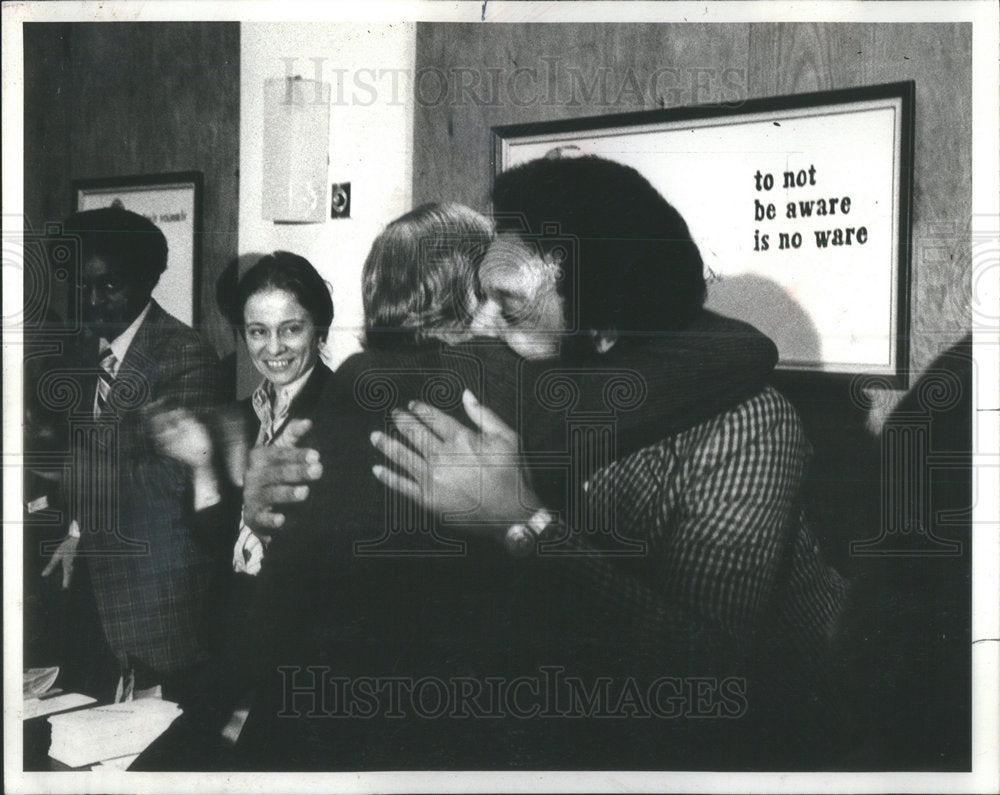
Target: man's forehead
514	241
510	283
511	253
97	266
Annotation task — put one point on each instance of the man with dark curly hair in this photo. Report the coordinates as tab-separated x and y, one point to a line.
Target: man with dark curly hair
726	561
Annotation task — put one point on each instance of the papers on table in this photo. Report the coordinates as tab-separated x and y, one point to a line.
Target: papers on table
106	733
36	707
40	698
121	763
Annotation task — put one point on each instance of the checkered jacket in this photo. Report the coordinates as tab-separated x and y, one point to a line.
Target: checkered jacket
728	559
150	576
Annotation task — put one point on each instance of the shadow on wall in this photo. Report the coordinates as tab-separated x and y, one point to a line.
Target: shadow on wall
768	306
840	491
894	513
245	376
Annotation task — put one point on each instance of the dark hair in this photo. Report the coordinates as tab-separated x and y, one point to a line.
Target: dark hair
283	270
421	273
631	267
131	244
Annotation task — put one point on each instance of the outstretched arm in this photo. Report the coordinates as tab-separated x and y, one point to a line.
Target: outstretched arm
654	388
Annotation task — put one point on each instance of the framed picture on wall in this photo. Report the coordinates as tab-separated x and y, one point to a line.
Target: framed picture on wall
800	206
174	203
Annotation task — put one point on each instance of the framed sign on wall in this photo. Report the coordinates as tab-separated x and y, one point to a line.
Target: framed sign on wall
800	206
174	203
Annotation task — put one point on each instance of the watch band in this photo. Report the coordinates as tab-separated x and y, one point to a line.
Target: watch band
540	521
521	539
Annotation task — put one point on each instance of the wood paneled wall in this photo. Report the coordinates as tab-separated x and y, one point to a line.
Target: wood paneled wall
117	99
649	66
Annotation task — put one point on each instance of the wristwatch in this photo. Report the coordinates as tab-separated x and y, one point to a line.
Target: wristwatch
522	538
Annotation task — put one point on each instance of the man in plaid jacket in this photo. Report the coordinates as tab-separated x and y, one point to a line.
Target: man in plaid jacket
128	506
725	573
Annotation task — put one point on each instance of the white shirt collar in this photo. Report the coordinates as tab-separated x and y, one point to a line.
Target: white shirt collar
120	344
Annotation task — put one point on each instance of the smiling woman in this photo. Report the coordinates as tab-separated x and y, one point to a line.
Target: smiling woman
280	334
285	314
286	311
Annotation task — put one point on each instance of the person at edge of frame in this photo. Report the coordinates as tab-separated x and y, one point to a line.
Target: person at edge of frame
151	574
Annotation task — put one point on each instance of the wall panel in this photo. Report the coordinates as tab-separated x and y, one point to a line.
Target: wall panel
539	72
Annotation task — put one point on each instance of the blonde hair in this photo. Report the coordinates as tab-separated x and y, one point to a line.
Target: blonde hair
420	277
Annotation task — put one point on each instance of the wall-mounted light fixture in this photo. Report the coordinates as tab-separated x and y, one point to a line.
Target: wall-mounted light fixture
295	150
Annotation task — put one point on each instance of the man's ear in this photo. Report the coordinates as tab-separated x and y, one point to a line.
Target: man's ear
604	341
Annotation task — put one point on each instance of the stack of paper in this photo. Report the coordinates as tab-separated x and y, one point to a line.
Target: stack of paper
91	735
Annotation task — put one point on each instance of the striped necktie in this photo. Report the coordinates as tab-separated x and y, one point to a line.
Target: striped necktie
108	362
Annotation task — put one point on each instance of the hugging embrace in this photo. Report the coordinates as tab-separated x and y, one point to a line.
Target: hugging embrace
550	516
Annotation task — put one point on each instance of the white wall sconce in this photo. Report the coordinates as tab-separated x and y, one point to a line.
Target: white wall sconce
295	150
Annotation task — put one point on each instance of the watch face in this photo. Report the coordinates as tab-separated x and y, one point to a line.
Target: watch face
519	541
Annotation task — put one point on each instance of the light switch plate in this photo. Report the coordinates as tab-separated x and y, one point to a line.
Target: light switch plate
340	200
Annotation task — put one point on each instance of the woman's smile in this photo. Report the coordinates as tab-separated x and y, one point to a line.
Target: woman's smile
281	337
